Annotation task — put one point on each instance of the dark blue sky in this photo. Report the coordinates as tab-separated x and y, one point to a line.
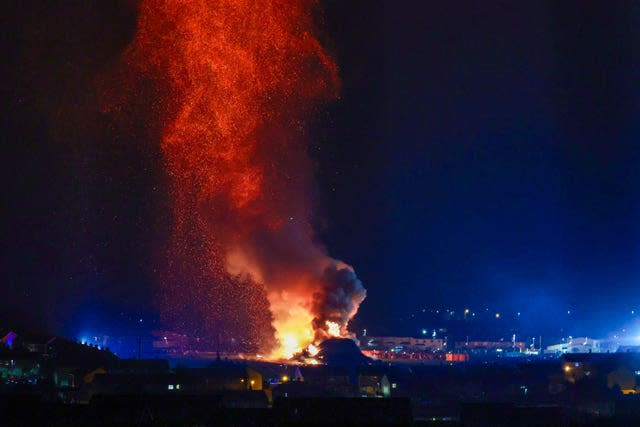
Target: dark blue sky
486	154
482	154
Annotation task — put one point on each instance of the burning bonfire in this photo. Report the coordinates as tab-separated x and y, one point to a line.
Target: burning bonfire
229	87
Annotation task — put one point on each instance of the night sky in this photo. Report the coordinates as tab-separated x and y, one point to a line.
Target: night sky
482	154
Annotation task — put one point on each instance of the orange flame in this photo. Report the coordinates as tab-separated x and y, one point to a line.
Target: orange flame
234	82
293	324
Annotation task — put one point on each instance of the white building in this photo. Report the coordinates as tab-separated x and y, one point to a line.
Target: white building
576	345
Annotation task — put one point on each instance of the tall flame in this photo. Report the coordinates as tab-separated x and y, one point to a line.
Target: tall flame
230	84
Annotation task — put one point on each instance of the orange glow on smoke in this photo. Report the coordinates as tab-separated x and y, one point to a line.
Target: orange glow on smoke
233	83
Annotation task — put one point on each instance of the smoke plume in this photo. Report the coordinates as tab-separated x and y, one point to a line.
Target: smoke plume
229	88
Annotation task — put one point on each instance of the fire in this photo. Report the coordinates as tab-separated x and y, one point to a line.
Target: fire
312	350
333	329
228	86
293	325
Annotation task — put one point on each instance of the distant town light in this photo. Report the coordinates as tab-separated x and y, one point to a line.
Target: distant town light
285	378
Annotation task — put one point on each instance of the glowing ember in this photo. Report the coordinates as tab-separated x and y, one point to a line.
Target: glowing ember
333	329
228	86
312	350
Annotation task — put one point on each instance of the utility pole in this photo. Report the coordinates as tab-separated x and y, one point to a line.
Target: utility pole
218	348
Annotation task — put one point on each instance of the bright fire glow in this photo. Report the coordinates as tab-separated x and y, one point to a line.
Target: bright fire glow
231	84
312	350
333	329
292	322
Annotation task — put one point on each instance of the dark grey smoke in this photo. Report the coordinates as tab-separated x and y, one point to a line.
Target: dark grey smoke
341	295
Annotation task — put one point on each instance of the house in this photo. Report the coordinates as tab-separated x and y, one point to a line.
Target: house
374	382
317	381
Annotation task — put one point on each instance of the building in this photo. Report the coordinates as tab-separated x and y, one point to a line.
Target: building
489	346
316	381
399	344
456	357
139	366
171	342
373	382
576	345
616	369
216	379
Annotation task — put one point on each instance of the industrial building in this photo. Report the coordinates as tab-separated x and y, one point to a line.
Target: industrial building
576	345
403	344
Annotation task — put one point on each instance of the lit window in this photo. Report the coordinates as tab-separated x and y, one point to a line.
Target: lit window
170	387
177	386
394	385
